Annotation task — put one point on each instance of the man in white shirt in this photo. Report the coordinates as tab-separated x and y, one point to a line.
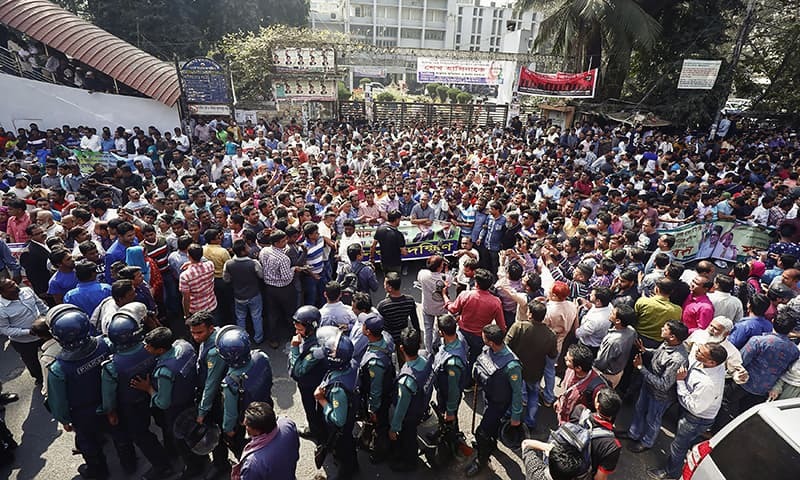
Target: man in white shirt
595	322
90	140
181	139
760	215
700	391
725	304
717	332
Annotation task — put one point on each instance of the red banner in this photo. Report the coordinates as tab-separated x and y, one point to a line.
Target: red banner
576	85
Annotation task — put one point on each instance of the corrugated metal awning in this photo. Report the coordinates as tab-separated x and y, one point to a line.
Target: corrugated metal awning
57	28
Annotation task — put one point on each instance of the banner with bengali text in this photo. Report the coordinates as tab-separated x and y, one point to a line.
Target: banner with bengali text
421	242
573	85
87	160
721	240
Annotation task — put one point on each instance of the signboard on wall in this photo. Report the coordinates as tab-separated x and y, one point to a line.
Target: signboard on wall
698	74
304	59
211	110
572	85
311	89
462	72
204	82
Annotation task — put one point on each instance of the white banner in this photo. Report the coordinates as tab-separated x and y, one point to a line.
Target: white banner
698	74
462	72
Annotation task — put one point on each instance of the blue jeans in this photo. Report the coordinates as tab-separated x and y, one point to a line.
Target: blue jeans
312	290
647	418
530	394
254	306
549	393
689	429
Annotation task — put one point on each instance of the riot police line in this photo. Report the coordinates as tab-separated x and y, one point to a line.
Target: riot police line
351	390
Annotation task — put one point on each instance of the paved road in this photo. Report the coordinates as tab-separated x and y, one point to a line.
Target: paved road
46	450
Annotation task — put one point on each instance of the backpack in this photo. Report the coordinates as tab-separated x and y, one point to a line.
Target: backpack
351	283
579	436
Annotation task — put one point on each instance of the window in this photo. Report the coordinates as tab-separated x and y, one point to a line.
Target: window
411	14
387	32
438	16
437	35
414	33
358	12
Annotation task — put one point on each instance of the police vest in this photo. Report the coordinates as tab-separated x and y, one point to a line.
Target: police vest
202	356
376	356
184	372
347	382
424	381
136	362
253	385
490	374
313	377
82	375
440	370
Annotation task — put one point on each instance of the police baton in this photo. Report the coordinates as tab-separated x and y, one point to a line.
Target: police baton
474	401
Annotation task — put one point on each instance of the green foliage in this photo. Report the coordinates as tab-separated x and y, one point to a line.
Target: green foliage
431	89
364	81
386	96
441	92
185	28
452	94
342	92
250	54
464	97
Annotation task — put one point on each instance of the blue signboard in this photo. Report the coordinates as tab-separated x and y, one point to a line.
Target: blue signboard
205	82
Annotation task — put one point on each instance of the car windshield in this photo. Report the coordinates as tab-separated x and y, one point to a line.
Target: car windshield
755	450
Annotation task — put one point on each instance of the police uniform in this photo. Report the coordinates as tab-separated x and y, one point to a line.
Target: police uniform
410	406
376	380
131	405
211	370
308	366
75	398
500	376
340	416
448	368
242	386
174	380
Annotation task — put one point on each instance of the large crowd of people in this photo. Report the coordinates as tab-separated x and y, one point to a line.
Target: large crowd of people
156	287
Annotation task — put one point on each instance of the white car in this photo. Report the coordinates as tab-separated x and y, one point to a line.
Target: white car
761	443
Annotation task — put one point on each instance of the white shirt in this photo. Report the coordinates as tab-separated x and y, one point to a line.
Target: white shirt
760	216
701	391
183	142
594	326
726	305
91	143
101	317
345	242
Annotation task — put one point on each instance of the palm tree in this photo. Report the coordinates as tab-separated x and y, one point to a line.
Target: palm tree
598	33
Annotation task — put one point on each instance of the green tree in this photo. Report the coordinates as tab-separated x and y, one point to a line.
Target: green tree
452	94
342	92
441	92
598	33
464	97
386	96
431	89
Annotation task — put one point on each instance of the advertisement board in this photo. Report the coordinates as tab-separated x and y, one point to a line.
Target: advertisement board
309	89
462	72
698	74
304	60
572	85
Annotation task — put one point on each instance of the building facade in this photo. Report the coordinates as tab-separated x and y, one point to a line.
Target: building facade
470	25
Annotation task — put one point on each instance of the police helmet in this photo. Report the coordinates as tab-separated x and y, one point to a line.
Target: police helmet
70	326
124	330
233	345
308	315
136	310
338	346
512	437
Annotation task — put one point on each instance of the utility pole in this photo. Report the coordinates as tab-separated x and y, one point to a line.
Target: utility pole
737	52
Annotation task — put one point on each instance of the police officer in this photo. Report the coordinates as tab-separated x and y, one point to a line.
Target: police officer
127	408
171	389
499	373
249	379
74	389
336	396
308	366
376	382
411	401
211	370
449	365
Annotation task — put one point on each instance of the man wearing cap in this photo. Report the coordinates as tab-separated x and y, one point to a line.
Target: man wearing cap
21	188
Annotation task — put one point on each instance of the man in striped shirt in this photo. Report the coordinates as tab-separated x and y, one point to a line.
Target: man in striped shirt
313	283
197	285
